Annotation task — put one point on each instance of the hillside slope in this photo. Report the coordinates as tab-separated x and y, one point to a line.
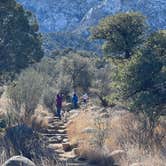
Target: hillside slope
68	15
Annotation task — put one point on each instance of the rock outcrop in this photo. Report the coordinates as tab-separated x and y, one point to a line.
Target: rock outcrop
55	15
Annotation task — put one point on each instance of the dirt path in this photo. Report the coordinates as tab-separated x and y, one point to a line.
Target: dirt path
57	139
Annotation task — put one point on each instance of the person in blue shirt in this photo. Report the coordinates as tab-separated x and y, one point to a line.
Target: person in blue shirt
75	101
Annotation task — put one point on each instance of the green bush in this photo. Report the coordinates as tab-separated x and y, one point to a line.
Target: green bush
2	123
21	44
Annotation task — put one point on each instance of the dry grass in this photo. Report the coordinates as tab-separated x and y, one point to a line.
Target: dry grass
143	157
77	125
3	105
2	157
123	134
40	118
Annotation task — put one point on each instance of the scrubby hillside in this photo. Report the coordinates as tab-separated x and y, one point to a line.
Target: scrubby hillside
70	15
64	40
55	15
75	18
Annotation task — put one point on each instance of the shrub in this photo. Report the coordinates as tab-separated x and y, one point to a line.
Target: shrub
77	69
1	91
102	84
26	92
21	140
49	98
2	123
101	134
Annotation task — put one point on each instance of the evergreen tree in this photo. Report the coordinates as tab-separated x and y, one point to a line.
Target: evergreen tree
20	42
122	33
142	80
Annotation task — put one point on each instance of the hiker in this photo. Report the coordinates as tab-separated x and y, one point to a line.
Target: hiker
85	98
59	105
75	101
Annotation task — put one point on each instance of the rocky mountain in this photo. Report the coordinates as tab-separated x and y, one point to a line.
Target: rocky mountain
59	15
66	23
154	11
78	15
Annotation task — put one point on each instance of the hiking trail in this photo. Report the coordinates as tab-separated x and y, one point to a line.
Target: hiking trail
57	140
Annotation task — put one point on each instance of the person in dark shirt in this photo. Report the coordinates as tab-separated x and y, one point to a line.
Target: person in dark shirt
59	105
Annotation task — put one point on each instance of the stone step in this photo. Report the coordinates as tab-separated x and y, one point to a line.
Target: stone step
57	139
56	134
54	141
49	135
52	127
53	131
56	124
59	151
67	155
77	164
60	131
49	131
55	146
65	140
62	127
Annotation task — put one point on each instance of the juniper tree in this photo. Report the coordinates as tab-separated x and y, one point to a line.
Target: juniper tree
121	33
20	42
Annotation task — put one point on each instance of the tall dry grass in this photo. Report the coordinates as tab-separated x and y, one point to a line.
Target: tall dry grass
39	119
125	133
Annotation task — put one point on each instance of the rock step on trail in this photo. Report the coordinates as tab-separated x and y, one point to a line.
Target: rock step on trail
57	139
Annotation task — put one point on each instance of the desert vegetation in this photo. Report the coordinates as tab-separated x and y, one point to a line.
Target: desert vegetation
123	122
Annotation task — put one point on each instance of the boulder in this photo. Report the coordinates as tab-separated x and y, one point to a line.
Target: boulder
65	140
67	107
74	114
76	151
136	164
18	161
117	155
104	115
66	147
88	131
102	110
94	108
70	122
61	131
59	138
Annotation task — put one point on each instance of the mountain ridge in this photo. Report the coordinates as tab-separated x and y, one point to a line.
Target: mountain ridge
78	15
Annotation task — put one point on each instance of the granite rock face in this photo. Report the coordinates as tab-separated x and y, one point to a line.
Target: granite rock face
79	15
58	15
